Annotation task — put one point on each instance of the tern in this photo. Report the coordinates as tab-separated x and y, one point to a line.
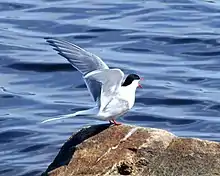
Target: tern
112	93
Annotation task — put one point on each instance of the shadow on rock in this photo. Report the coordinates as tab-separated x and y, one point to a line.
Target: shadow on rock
67	151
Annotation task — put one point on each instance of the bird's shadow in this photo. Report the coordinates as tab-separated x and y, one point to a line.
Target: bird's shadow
67	150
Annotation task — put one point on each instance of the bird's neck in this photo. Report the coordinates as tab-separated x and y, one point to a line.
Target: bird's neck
128	93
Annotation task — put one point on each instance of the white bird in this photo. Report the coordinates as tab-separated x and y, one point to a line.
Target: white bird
113	96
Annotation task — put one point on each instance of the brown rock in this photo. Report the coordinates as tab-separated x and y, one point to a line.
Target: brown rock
104	150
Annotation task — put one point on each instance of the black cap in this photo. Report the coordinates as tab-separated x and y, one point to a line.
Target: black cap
130	78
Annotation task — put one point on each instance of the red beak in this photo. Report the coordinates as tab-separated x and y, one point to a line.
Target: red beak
139	84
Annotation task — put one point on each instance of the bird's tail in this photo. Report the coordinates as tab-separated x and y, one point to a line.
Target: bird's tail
85	112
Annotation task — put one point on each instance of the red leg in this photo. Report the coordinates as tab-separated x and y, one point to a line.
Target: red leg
115	123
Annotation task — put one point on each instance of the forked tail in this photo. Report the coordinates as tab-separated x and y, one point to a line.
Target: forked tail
61	117
85	112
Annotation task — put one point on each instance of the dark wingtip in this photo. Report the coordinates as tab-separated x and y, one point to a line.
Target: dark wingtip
61	54
49	39
56	49
51	42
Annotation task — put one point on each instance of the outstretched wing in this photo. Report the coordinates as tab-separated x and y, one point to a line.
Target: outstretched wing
84	61
111	80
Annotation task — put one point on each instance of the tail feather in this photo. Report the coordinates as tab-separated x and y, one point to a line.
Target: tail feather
58	118
92	111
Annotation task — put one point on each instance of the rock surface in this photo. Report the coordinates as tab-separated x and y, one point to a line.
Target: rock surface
128	150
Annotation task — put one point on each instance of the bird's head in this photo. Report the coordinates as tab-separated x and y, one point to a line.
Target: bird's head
132	80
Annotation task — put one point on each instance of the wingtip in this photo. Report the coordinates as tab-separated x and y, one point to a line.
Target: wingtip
49	39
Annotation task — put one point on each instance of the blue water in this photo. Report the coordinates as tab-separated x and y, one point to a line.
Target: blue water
174	45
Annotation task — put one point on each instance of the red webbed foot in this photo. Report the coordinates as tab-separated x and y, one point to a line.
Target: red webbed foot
114	122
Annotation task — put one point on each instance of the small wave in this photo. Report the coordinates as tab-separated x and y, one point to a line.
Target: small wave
33	148
7	6
10	135
168	101
41	67
151	118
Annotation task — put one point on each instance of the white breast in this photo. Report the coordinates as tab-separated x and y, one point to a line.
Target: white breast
127	93
121	103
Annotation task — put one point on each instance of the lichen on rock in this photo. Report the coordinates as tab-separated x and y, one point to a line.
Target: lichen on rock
103	150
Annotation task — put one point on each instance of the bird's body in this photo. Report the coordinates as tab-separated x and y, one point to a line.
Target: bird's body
119	105
112	96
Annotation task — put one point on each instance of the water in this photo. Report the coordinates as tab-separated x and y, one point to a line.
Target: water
174	45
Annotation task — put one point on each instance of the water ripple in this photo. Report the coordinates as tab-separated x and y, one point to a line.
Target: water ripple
9	136
173	44
41	67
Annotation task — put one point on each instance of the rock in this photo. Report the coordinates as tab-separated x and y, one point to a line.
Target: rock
104	150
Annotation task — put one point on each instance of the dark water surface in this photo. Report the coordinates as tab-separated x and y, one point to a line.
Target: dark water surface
173	44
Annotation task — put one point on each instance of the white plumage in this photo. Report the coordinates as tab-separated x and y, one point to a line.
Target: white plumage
113	97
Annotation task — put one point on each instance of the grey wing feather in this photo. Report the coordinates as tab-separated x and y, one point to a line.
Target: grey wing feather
94	89
111	80
82	60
